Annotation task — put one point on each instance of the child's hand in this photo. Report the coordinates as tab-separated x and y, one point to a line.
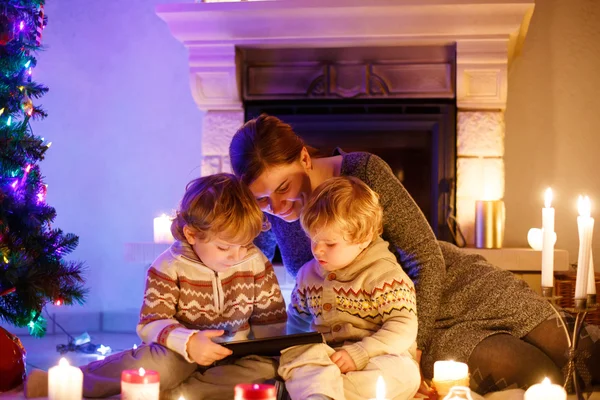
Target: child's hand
203	351
342	359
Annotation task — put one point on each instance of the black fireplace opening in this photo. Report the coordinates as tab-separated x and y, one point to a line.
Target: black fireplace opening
417	138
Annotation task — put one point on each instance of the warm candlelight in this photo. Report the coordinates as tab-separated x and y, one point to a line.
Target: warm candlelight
254	391
548	241
545	391
447	374
585	225
162	230
65	382
140	384
380	389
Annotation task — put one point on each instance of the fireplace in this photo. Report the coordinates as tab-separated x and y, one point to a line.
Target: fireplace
349	52
416	138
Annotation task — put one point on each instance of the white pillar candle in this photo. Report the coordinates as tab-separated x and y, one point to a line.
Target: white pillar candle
140	385
65	382
585	225
545	391
447	374
548	241
591	289
162	230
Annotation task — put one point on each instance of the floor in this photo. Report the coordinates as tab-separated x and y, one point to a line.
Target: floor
42	354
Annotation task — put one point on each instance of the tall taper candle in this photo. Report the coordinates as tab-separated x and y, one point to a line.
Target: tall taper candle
591	289
548	241
585	224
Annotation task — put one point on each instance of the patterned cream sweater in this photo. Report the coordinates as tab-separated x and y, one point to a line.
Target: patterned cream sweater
369	307
183	296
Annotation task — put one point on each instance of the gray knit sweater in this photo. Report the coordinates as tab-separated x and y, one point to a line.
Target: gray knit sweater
461	299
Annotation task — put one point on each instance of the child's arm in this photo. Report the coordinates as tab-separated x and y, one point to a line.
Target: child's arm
268	315
394	295
299	316
157	322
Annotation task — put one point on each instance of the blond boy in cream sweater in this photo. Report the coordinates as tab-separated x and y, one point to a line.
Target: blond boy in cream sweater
356	294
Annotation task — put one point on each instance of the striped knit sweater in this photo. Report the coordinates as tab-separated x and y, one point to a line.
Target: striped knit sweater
183	296
368	306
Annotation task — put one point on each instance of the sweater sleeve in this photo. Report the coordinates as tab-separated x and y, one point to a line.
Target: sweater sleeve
410	236
299	316
268	315
157	318
395	297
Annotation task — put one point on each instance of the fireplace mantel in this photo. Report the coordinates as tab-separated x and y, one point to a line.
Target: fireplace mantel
483	33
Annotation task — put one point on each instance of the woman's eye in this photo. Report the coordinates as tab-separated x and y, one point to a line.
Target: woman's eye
284	189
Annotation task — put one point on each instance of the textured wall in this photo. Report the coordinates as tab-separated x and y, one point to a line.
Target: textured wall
553	120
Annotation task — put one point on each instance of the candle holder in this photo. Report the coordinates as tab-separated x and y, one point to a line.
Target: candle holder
582	307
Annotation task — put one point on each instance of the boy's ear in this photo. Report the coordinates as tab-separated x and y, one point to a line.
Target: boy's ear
364	244
189	235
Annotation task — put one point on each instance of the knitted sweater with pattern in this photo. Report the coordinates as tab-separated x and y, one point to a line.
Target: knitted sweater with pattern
184	296
368	307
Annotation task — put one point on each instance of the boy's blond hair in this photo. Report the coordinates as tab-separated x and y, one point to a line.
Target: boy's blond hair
345	203
220	206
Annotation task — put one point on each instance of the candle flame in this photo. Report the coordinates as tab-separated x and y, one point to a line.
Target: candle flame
255	386
142	371
63	362
548	198
584	206
380	389
546	381
181	398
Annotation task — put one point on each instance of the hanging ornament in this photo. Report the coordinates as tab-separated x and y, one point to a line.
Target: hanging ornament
12	361
27	105
39	26
6	30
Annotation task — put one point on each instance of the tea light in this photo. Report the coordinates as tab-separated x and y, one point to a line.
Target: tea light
545	391
139	384
65	382
254	391
380	389
447	374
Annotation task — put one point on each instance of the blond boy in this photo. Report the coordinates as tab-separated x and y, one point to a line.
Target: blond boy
357	295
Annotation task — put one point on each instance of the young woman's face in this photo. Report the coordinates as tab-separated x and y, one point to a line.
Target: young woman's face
282	191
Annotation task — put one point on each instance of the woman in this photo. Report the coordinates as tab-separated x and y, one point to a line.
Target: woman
468	310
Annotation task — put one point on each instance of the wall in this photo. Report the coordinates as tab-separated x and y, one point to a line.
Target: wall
125	133
553	120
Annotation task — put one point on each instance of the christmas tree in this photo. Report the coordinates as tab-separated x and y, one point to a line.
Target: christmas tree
32	269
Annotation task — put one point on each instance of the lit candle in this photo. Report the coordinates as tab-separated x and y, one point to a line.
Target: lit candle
139	384
545	391
447	374
591	289
548	241
380	389
585	224
162	230
65	382
254	391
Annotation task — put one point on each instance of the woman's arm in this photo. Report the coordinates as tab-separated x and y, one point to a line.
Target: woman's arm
410	237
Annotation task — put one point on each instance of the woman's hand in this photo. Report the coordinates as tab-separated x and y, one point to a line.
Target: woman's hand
203	351
342	359
424	388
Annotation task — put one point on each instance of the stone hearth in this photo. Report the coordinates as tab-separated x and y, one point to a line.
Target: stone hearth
484	34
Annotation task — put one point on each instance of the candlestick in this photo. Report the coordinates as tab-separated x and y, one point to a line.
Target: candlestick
547	241
65	382
545	391
489	224
254	391
585	225
140	384
447	374
162	230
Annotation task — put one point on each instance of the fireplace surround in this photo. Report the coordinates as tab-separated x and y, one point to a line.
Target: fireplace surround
238	50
